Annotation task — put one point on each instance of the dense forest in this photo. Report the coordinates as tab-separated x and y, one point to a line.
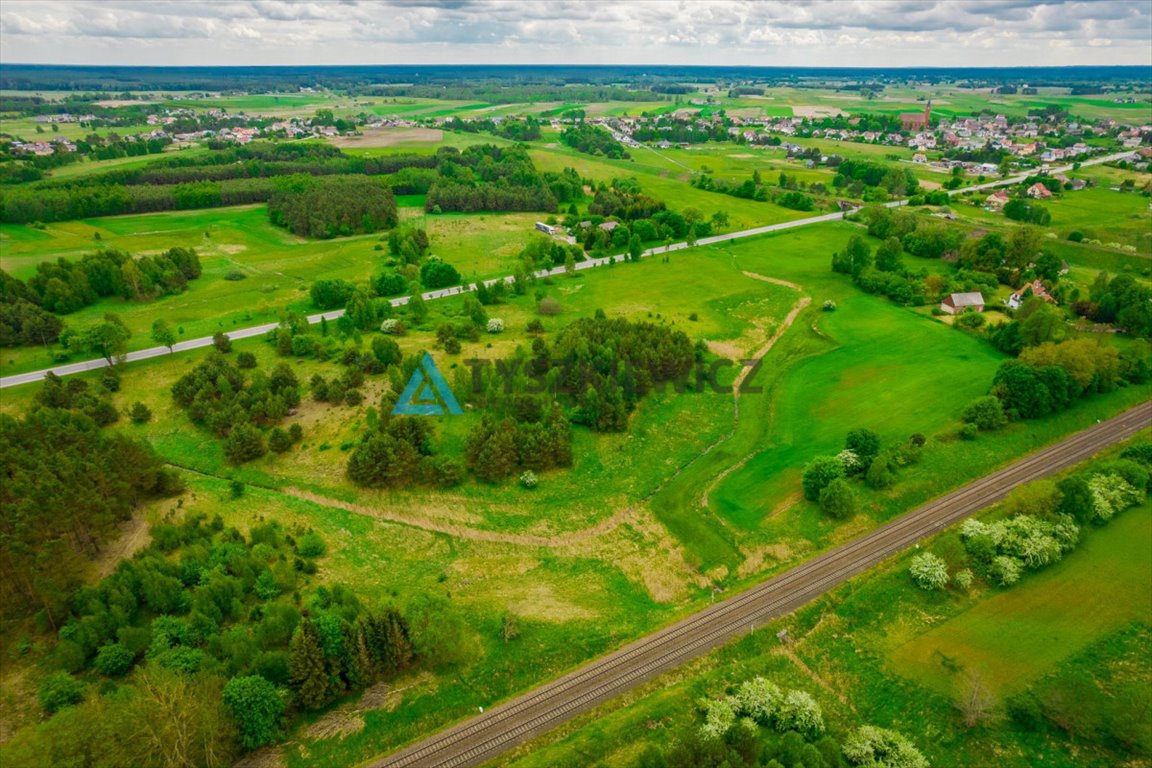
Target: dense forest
52	524
593	140
527	129
61	287
208	642
488	178
231	176
332	206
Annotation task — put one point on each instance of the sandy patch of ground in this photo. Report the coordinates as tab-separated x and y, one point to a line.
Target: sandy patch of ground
267	757
386	137
741	156
463	531
763	557
134	536
728	349
348	719
646	554
539	601
785	504
339	722
114	103
930	185
818	111
231	248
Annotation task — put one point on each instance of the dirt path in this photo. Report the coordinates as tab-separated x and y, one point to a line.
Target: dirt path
811	674
521	539
135	535
774	280
797	308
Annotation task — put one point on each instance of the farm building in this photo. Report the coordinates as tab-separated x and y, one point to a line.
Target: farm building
959	302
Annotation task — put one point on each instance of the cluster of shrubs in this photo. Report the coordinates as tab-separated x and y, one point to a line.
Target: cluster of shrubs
827	479
759	724
1044	523
219	396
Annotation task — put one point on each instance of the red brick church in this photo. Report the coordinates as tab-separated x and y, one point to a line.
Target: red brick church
914	121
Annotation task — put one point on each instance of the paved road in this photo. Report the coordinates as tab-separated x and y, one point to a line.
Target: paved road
206	341
506	725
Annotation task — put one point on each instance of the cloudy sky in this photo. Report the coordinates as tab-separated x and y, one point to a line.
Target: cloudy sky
739	32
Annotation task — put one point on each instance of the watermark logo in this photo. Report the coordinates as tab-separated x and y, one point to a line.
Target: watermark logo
427	393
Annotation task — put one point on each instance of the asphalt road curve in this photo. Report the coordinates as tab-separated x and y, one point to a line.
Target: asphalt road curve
501	728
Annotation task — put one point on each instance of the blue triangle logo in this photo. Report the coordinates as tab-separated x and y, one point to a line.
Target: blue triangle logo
427	393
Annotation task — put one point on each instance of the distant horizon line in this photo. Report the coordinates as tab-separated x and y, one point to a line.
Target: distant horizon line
900	67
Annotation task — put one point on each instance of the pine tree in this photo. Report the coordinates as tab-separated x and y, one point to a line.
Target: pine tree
365	664
306	669
355	675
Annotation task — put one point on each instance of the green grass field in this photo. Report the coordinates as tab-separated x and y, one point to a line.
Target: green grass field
1018	635
871	654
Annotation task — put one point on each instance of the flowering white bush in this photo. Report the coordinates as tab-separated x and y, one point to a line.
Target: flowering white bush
849	460
495	325
829	306
719	717
390	325
800	712
1111	494
962	579
929	571
758	699
1005	570
872	747
528	479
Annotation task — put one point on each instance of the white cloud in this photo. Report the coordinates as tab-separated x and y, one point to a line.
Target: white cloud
745	32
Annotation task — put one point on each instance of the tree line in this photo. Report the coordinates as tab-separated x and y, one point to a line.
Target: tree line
515	129
255	160
28	309
488	178
24	205
593	140
331	206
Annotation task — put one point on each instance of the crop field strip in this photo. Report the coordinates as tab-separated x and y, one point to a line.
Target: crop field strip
503	727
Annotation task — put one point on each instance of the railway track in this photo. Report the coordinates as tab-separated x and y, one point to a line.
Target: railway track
481	738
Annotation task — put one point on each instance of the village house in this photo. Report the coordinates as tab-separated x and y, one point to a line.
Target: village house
957	303
1039	192
996	201
1034	288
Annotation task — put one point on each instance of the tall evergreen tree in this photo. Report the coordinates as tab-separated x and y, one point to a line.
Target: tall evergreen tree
307	671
